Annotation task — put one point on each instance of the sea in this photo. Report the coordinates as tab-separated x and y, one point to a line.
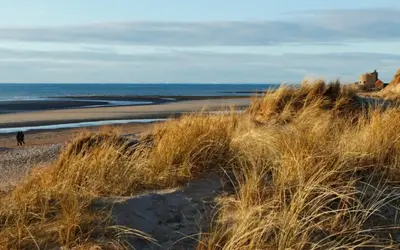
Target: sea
37	91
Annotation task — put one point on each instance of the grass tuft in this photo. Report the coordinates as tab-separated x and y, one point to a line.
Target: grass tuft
312	169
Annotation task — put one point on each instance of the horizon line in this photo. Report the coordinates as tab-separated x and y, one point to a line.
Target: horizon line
209	83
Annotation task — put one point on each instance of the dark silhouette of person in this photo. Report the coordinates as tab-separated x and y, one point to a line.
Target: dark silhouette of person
20	138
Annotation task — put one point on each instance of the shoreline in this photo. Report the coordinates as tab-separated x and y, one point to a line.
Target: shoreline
62	135
20	106
95	114
50	122
154	98
77	125
43	146
96	101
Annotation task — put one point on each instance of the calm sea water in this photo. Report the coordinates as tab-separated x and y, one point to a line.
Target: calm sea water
42	91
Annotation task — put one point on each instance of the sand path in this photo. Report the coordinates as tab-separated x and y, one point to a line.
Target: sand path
174	218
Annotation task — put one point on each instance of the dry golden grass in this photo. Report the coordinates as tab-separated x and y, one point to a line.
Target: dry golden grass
286	103
322	181
390	92
52	207
314	171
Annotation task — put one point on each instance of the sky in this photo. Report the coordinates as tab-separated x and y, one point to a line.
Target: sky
197	41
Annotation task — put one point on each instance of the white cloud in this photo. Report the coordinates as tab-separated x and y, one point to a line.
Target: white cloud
306	27
326	43
186	66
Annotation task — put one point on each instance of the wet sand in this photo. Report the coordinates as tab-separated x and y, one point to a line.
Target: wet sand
36	105
65	102
156	99
165	110
40	138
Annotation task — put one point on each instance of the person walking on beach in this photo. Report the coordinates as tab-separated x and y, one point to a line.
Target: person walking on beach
20	138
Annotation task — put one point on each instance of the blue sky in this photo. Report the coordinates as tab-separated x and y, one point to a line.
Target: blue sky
197	41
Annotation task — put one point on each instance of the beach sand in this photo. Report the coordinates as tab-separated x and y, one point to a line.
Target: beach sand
165	110
43	147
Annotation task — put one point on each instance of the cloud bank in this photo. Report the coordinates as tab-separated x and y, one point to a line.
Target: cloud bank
184	66
306	27
181	61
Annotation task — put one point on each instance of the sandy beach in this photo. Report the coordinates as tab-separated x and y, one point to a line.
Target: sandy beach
42	147
165	110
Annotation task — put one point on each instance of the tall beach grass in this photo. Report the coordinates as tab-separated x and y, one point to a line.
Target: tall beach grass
312	168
